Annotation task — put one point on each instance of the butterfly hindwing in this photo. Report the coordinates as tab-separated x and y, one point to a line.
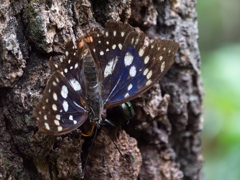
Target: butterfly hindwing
147	72
63	107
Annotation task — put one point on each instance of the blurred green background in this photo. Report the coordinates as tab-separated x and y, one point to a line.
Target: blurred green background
219	43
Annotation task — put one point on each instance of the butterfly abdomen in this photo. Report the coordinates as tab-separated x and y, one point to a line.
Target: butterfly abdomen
93	89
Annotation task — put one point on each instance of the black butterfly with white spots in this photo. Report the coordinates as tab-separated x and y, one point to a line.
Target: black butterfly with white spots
101	70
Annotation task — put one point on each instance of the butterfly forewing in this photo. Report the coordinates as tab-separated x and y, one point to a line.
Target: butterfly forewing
106	49
71	67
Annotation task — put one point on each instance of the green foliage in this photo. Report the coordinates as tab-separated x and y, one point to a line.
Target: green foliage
221	135
220	50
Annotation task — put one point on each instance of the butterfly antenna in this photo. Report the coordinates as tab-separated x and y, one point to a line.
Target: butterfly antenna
89	151
113	141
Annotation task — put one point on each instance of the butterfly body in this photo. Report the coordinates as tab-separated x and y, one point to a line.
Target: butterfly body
94	89
101	70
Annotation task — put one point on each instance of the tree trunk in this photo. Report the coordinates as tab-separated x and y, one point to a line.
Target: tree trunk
161	142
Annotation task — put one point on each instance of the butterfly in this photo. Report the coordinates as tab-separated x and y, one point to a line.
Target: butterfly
100	70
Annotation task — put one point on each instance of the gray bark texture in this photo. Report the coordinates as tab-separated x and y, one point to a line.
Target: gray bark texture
162	141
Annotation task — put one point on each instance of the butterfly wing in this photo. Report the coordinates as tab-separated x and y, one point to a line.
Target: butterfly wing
146	69
63	107
128	64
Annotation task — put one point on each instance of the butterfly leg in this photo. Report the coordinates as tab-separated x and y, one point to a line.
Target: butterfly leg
90	134
113	141
90	150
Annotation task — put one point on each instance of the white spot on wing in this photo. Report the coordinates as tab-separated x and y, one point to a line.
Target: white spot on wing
75	84
110	67
106	34
58	117
128	59
120	46
114	46
145	71
60	128
132	71
130	87
47	126
114	33
160	58
146	59
55	96
101	53
76	66
64	91
65	105
163	66
71	118
122	34
148	82
136	41
66	53
126	95
140	53
56	122
54	107
149	74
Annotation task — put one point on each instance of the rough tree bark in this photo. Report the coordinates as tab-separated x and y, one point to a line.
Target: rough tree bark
163	139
